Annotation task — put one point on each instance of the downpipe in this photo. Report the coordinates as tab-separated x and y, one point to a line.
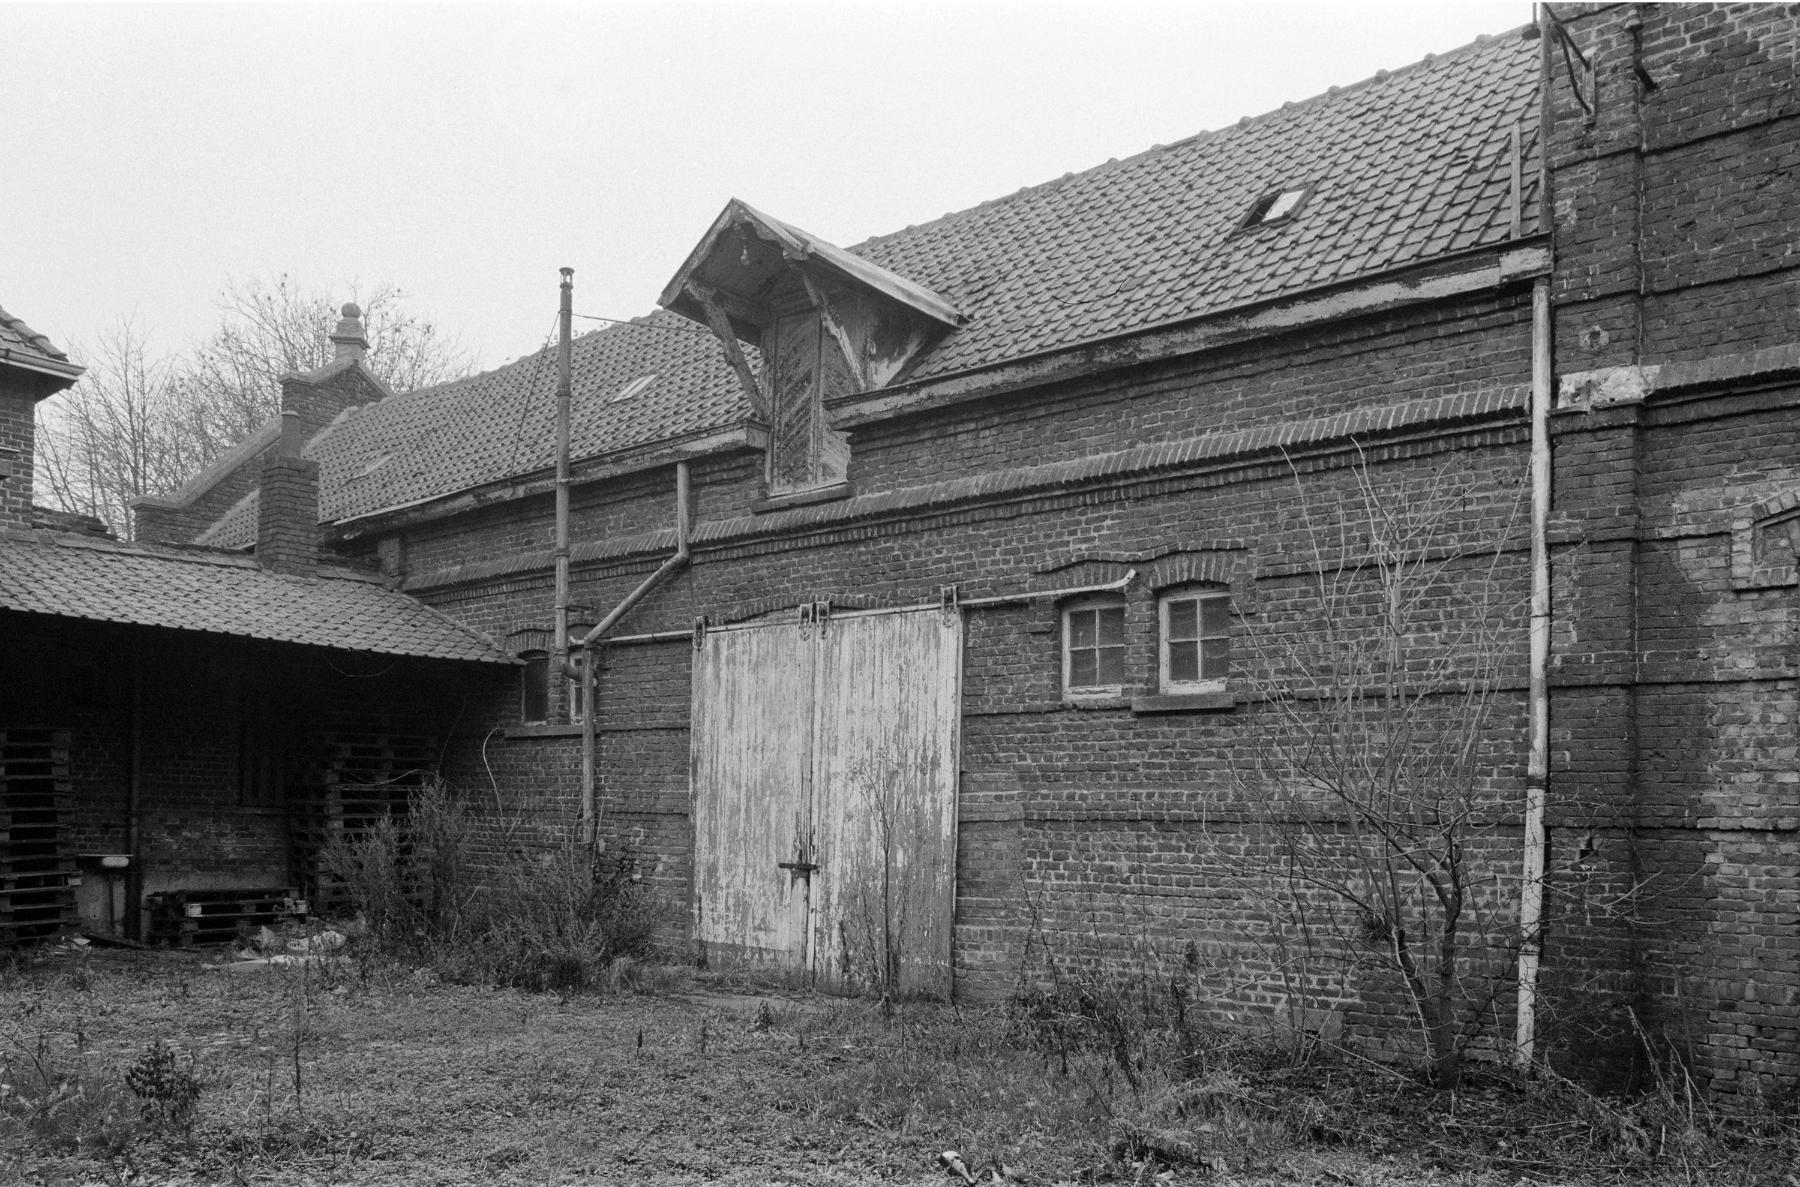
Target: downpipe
587	646
1537	769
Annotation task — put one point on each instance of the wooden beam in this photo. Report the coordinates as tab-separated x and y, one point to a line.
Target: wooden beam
834	325
734	353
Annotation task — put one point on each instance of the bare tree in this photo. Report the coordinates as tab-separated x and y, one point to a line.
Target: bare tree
139	424
1375	751
118	434
231	382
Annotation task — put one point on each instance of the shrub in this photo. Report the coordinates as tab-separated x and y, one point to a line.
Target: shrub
552	922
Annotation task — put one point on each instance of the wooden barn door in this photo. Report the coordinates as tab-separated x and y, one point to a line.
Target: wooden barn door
751	764
824	776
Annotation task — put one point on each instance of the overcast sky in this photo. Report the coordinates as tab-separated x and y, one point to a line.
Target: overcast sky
151	153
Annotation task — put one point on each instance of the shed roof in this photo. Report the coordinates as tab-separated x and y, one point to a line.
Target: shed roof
71	577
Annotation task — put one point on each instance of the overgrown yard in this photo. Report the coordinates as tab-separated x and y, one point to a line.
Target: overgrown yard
138	1067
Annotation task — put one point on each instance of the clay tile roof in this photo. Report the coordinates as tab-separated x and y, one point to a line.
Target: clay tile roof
226	595
501	423
22	346
1399	169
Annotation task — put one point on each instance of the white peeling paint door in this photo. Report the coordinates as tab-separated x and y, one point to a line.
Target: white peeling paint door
751	757
824	779
885	772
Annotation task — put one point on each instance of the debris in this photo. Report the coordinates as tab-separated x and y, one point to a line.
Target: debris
953	1166
325	941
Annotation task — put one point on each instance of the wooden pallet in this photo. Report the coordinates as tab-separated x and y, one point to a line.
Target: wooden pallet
37	862
185	918
367	766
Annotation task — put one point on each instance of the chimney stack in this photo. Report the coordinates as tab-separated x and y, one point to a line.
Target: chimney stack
350	340
287	512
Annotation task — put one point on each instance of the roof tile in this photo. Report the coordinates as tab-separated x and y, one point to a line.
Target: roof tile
226	595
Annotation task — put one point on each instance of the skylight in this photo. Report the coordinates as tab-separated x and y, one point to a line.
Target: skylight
1275	206
374	465
635	387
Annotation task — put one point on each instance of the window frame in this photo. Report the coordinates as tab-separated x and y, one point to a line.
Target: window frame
1094	603
1198	593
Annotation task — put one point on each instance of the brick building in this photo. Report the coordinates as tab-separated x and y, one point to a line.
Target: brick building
982	561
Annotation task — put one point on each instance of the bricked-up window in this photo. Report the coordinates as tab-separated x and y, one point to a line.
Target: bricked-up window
1094	647
534	687
1194	639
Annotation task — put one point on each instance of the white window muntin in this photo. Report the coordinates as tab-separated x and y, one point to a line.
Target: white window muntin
1093	646
1193	639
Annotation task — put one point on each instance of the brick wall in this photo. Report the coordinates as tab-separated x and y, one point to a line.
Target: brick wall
1069	818
17	434
1675	675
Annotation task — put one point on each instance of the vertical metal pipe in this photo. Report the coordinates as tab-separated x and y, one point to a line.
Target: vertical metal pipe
590	687
1537	767
1537	770
134	797
564	387
590	643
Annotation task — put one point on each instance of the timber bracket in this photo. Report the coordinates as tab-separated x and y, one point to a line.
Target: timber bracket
720	324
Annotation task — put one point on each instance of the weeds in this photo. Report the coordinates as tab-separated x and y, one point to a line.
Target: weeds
168	1091
58	1101
555	921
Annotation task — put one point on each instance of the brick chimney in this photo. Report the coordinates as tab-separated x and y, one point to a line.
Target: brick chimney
31	368
287	513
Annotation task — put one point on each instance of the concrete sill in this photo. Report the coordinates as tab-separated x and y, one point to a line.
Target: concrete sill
1185	702
553	730
801	498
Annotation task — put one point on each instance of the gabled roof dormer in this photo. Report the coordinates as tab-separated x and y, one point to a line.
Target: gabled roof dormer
827	324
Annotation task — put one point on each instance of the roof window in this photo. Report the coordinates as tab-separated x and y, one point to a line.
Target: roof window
635	387
375	464
1276	205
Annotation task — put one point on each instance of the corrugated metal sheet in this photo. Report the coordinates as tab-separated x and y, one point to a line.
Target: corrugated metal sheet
833	748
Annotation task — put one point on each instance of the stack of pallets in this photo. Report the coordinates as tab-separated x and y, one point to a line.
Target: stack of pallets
188	917
37	866
370	764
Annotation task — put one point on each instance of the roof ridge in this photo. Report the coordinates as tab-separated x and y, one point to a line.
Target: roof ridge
1289	107
199	554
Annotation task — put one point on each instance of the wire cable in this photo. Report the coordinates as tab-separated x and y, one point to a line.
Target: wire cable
537	368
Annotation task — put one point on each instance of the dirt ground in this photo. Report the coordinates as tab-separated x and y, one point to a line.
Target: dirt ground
304	1075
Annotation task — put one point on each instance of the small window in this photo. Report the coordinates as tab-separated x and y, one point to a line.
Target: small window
1276	205
1094	647
1194	632
534	688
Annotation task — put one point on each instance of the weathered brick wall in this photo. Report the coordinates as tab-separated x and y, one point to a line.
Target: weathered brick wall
17	434
287	515
1052	797
154	522
1674	670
